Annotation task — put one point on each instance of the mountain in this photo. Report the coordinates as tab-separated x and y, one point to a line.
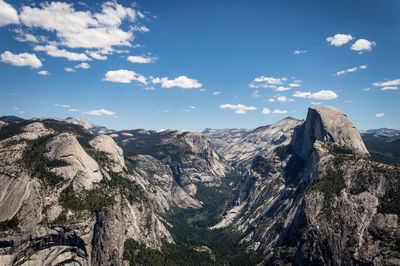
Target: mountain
11	118
294	192
383	144
321	199
94	129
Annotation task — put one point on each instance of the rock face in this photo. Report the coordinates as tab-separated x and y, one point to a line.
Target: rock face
68	197
311	193
321	199
241	146
326	123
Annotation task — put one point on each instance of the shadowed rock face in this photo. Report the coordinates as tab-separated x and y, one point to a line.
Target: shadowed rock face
326	123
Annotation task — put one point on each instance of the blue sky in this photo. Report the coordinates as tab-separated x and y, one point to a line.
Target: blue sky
196	64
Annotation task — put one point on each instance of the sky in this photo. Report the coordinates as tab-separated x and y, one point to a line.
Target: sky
193	65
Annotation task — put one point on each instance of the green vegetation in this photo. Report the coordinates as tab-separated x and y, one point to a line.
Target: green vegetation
12	129
191	234
283	151
390	202
331	184
383	150
129	188
11	224
38	165
95	200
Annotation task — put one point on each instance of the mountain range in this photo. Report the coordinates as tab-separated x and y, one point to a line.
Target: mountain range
314	191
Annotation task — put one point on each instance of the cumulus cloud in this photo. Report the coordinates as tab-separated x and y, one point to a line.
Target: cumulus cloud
320	95
299	51
279	112
8	15
362	45
97	55
53	51
394	82
380	114
22	59
181	81
284	99
265	111
239	108
44	73
353	69
124	76
282	88
100	112
217	93
339	39
271	100
69	69
82	29
294	85
140	59
83	66
267	82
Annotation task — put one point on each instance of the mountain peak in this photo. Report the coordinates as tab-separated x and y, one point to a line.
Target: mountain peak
327	123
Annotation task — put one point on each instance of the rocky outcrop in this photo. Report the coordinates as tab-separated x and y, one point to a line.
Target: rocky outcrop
241	146
107	145
327	124
320	199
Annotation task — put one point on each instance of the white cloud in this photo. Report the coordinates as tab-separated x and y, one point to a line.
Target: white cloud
65	106
294	85
26	37
96	55
339	39
239	108
380	114
393	88
367	89
280	112
82	29
394	82
181	81
300	52
140	59
8	15
271	100
100	112
217	93
124	76
69	69
53	51
151	88
284	99
140	28
320	95
23	59
44	73
362	45
73	110
83	66
353	69
265	111
282	88
267	82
